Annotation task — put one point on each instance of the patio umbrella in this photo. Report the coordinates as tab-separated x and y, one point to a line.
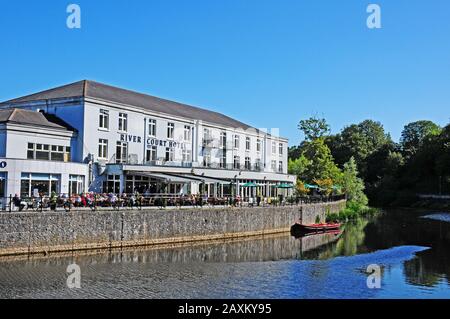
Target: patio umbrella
249	185
285	186
311	186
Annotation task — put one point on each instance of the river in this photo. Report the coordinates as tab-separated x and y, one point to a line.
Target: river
413	254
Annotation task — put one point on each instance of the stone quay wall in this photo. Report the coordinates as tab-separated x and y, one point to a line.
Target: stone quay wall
46	232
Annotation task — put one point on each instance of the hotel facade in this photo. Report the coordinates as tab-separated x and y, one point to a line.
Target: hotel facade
88	136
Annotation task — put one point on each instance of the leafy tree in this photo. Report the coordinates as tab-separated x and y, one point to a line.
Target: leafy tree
443	156
294	152
298	166
300	188
415	134
325	184
321	161
352	184
387	160
314	128
358	141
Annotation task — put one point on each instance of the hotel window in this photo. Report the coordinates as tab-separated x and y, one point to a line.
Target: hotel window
104	120
247	143
76	184
42	152
112	184
31	184
48	152
274	147
236	141
273	165
280	167
258	145
30	151
236	162
280	148
258	164
187	133
223	139
223	160
247	163
136	183
206	159
170	130
207	137
102	149
186	155
152	154
57	153
152	127
123	122
170	154
121	152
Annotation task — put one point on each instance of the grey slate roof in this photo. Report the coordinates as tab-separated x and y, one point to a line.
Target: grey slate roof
27	117
105	92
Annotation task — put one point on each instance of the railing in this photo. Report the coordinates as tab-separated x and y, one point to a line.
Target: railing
138	201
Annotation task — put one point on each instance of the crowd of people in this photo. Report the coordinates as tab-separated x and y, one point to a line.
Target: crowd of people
94	200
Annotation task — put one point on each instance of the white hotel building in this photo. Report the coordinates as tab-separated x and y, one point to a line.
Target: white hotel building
88	136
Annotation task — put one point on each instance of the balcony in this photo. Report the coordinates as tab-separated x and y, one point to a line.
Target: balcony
132	160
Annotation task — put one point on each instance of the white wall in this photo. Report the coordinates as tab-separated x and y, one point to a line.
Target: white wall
17	141
15	168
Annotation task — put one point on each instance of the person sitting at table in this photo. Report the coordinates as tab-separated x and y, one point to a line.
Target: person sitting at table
18	202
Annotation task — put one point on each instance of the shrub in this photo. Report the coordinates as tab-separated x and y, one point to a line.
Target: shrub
317	219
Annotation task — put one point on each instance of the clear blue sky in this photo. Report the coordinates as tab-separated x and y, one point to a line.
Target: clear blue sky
267	63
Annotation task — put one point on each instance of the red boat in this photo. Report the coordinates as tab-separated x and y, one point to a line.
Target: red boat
315	228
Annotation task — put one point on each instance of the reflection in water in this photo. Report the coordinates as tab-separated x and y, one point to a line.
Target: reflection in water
413	253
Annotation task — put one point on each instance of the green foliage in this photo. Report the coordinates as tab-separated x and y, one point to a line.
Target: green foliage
364	160
358	141
300	189
317	219
321	164
314	128
294	152
352	211
298	166
352	185
415	134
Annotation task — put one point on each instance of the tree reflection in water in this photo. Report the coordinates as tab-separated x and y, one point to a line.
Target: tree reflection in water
391	229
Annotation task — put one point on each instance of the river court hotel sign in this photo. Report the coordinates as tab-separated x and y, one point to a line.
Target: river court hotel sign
152	141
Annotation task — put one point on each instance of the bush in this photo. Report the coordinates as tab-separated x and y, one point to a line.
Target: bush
317	219
332	218
351	212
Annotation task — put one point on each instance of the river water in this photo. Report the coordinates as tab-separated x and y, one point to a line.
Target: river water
413	254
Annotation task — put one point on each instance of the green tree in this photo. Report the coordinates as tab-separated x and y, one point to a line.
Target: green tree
415	134
298	166
314	128
352	184
294	152
321	161
358	141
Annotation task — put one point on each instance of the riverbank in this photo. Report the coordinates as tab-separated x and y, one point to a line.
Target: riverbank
351	211
43	233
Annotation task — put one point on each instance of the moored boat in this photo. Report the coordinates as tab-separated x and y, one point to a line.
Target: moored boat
314	228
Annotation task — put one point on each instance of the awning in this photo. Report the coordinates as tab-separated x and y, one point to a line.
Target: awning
167	178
